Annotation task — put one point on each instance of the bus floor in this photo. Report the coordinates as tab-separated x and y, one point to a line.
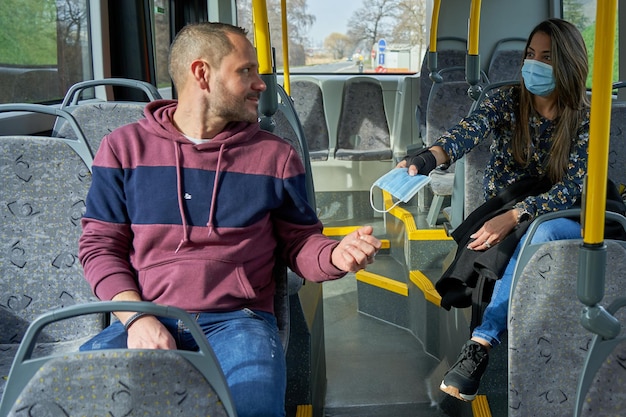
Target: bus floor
373	368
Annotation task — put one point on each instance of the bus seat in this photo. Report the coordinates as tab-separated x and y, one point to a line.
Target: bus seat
309	104
506	60
448	103
42	200
78	141
617	144
547	344
363	131
452	55
99	118
116	381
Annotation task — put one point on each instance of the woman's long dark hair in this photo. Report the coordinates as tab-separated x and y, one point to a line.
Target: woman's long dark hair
570	66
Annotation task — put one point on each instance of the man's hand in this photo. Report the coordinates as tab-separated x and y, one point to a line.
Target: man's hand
146	332
356	250
149	333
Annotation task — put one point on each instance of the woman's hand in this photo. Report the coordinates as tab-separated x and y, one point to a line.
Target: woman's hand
493	231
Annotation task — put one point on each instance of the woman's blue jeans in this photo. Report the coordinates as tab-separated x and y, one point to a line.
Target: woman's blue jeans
494	321
247	347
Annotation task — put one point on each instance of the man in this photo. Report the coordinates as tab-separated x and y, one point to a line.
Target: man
190	207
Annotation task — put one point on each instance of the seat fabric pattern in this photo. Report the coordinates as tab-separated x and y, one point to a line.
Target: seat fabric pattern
547	343
363	133
99	119
125	383
309	104
44	186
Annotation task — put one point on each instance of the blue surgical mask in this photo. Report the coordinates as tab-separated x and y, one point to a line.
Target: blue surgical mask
400	185
538	77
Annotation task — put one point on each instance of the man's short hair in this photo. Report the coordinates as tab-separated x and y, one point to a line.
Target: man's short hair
206	40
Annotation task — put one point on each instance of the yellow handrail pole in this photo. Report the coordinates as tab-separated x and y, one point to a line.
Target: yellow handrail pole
434	23
283	12
592	257
474	27
472	61
262	36
432	49
268	104
599	125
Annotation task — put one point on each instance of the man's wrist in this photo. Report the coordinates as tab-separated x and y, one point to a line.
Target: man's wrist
132	319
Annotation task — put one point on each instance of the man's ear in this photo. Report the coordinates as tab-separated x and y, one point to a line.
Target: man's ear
201	71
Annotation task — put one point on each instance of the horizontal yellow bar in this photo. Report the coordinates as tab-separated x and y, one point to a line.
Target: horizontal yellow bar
345	230
383	282
423	283
413	233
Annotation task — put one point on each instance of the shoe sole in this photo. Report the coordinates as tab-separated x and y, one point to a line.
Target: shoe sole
454	392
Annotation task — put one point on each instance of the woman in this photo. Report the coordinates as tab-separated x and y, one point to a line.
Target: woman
540	130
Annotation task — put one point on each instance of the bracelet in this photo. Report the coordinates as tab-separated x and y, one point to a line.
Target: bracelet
133	319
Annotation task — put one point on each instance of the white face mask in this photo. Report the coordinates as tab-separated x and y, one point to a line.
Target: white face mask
400	185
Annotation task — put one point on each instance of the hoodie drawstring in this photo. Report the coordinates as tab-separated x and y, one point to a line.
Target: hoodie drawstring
179	189
214	195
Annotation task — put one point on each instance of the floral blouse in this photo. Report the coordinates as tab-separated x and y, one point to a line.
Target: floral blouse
496	115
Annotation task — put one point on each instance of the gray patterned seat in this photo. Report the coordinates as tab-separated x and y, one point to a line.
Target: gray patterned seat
116	382
506	60
44	186
99	118
451	56
309	104
447	105
363	130
547	343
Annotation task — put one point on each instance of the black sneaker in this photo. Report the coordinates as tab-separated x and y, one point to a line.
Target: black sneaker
463	378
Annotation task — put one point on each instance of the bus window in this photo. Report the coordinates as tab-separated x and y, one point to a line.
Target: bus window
161	45
583	14
44	49
356	37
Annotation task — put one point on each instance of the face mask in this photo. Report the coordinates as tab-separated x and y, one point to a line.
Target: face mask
538	77
400	185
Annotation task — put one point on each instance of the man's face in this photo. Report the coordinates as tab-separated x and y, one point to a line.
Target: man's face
236	87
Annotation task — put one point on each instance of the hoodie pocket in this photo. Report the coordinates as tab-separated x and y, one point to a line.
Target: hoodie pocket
196	283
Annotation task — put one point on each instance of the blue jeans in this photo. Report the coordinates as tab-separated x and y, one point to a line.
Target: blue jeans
494	321
247	347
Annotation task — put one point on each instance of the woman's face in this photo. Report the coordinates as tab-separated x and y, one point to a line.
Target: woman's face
539	48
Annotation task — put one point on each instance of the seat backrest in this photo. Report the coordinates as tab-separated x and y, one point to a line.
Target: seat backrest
617	145
116	382
547	343
506	60
309	104
99	118
44	187
134	382
363	131
451	52
447	105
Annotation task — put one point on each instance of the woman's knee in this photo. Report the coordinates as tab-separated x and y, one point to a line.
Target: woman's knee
557	229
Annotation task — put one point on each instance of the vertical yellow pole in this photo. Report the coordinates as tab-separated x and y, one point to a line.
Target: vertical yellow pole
283	12
474	27
434	23
593	226
262	36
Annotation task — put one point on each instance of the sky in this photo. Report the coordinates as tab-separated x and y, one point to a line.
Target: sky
330	16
